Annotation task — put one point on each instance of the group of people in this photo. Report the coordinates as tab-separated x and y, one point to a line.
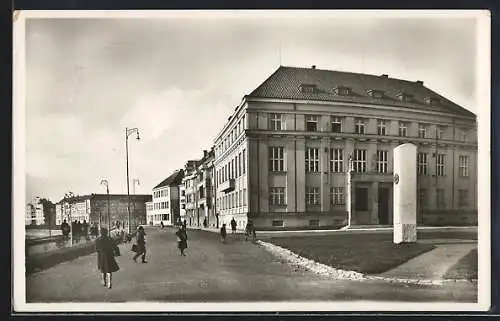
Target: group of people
249	230
79	229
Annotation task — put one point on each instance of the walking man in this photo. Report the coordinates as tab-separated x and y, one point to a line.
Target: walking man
181	239
223	233
106	252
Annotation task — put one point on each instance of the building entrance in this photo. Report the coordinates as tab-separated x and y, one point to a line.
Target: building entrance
383	205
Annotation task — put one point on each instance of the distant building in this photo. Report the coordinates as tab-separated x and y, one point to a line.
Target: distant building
40	212
283	155
93	208
205	189
165	204
189	181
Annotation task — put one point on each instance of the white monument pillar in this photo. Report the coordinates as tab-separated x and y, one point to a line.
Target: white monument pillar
405	193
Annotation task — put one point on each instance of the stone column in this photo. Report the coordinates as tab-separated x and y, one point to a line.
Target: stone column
405	193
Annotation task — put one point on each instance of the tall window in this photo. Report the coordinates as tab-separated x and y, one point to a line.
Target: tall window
244	196
239	164
403	129
381	127
422	163
463	135
440	165
440	131
277	195
422	130
337	196
463	197
336	124
276	159
336	160
422	198
312	160
359	161
440	198
312	195
382	161
277	122
359	126
463	166
244	162
312	123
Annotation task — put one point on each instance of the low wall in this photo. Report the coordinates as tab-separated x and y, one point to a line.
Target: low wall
294	221
41	261
450	218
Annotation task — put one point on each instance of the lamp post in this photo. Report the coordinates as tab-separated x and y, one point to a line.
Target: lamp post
134	181
128	132
350	169
67	197
105	183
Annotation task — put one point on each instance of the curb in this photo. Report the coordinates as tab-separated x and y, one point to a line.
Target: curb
339	274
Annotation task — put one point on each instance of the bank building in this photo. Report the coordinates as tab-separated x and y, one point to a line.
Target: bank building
312	148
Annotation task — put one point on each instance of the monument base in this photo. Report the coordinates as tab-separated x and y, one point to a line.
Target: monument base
405	233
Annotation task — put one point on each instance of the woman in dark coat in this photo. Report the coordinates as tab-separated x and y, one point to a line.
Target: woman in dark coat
106	263
181	239
141	244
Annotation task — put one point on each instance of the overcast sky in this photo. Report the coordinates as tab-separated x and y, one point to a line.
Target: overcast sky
178	80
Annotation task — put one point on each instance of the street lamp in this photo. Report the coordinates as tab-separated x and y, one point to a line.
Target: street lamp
128	132
134	181
68	196
105	183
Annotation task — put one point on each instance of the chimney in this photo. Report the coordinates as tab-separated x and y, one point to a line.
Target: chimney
313	66
385	76
204	153
420	82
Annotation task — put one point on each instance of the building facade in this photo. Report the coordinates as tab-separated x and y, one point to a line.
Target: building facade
165	204
189	181
205	190
93	208
283	157
40	212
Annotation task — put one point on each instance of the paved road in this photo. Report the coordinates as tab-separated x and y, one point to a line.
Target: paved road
212	271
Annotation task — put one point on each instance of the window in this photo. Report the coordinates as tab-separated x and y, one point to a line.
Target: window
244	162
359	126
463	135
337	196
313	222
277	223
440	132
336	160
403	129
359	160
376	93
440	165
463	166
336	124
277	196
244	196
422	198
307	88
422	163
312	160
382	161
277	122
342	91
312	123
463	197
239	164
440	198
381	127
407	98
276	159
422	130
312	195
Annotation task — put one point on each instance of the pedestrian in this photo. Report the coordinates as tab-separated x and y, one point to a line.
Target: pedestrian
233	226
223	233
248	229
85	228
65	229
181	239
162	225
141	244
106	252
205	224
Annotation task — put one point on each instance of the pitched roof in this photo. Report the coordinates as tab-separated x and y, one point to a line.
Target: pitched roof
285	83
172	180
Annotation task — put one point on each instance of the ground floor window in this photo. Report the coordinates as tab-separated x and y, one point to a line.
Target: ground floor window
277	223
313	222
312	195
463	197
337	196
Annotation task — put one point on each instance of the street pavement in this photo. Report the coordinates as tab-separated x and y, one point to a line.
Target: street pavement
215	272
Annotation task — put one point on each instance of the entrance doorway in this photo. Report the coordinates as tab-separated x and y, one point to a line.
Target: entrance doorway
383	205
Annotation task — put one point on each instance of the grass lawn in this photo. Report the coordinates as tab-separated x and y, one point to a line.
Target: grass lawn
465	268
365	253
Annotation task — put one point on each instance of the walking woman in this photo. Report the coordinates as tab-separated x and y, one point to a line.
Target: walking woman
106	252
181	239
141	244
